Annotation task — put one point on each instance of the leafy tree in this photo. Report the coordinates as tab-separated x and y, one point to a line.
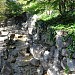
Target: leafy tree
63	5
2	9
13	8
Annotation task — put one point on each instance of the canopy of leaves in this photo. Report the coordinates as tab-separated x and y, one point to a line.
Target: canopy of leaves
13	8
2	9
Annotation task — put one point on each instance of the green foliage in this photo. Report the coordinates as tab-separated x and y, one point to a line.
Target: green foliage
71	47
67	69
71	37
2	9
13	8
51	34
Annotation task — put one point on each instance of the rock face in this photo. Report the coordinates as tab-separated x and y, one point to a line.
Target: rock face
71	64
27	52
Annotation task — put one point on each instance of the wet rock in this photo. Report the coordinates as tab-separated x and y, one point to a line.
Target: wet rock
35	62
40	70
71	64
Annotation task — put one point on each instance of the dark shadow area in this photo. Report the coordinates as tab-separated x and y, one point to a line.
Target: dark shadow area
66	20
45	32
14	20
20	19
44	27
61	19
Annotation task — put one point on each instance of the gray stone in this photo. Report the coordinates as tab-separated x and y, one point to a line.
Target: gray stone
51	72
52	50
4	32
35	37
59	42
12	59
46	55
35	62
73	55
40	70
71	64
68	42
44	38
14	53
36	50
64	62
56	55
64	52
21	62
7	69
3	38
32	24
44	64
